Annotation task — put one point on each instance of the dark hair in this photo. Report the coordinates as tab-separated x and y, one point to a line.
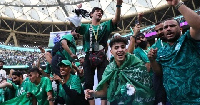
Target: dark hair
159	22
138	35
2	62
117	40
17	73
96	8
173	19
82	57
49	51
73	29
35	69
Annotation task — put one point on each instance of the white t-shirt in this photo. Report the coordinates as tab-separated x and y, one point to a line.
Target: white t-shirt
3	73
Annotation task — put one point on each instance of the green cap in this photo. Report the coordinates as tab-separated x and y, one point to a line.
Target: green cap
65	62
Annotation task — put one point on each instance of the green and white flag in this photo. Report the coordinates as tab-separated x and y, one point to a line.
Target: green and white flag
20	100
130	83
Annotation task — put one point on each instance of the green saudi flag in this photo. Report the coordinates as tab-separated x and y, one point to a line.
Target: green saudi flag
20	100
132	72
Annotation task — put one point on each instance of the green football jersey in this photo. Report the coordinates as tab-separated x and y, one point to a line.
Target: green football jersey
73	83
40	90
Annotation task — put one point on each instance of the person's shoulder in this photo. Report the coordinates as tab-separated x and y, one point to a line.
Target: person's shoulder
131	56
106	22
67	37
187	36
74	77
136	50
45	79
2	70
84	25
112	63
27	82
161	51
183	36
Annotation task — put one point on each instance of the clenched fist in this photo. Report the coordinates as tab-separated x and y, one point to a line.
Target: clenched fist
152	54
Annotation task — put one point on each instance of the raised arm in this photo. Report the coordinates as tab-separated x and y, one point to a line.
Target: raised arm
38	61
6	84
66	47
50	97
131	46
116	19
75	21
136	30
100	93
190	16
152	54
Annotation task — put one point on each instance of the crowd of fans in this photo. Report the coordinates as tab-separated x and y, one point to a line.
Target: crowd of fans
17	57
166	73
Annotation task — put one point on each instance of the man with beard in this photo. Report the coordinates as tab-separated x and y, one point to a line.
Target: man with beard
162	41
19	86
125	80
2	72
67	51
160	94
95	37
17	83
178	61
142	49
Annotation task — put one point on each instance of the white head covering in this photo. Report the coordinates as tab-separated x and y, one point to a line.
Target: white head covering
81	56
116	34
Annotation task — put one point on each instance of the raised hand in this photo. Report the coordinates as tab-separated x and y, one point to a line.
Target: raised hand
119	2
80	72
140	16
74	56
152	54
41	49
57	78
41	55
173	2
136	29
79	5
89	93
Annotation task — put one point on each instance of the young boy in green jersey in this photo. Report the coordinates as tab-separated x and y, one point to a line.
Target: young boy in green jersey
41	87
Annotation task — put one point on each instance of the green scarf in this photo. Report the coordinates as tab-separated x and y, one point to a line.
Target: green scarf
133	72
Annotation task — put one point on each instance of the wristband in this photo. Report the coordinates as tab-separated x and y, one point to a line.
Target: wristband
62	81
94	95
179	4
119	6
51	99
